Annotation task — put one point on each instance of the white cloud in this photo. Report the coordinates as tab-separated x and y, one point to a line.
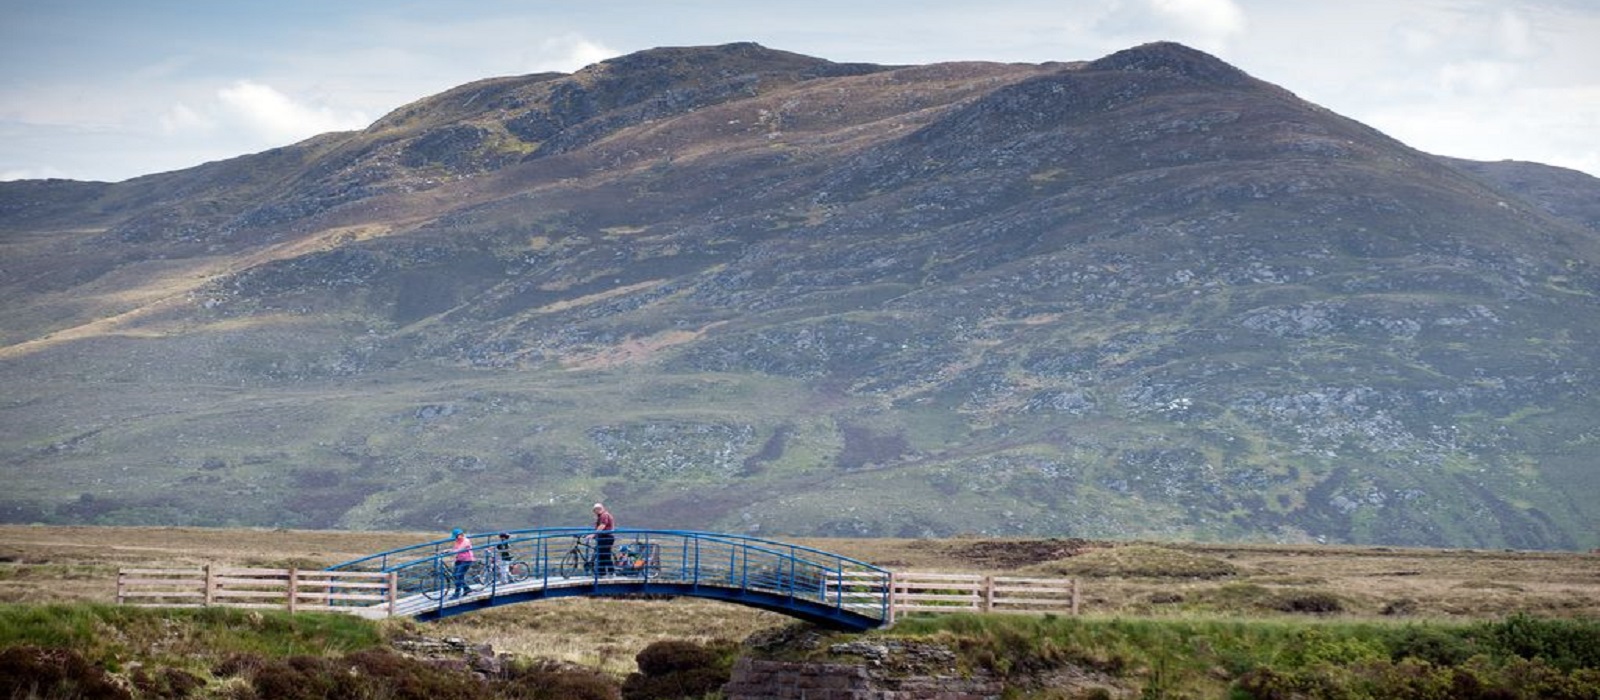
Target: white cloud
41	173
1506	37
1477	77
1417	41
274	117
181	119
1533	124
568	53
1214	19
254	115
1205	24
1511	35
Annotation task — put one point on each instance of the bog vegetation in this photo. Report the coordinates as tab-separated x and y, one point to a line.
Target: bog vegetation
1162	621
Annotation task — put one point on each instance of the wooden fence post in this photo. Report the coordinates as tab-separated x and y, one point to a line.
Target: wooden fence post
394	590
1074	597
210	587
121	588
986	604
894	586
294	587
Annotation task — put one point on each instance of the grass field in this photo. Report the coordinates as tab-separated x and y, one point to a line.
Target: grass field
40	565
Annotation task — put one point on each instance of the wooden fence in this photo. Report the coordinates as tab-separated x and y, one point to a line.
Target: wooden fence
913	592
361	592
374	593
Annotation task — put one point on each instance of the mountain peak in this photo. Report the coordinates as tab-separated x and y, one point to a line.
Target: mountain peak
713	62
1175	59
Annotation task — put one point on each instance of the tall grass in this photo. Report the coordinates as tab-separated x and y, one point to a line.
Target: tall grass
1281	658
113	634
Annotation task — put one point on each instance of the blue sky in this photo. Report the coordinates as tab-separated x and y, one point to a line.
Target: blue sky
113	89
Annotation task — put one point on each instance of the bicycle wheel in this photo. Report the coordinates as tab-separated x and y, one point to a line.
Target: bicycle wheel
519	571
435	585
479	576
574	564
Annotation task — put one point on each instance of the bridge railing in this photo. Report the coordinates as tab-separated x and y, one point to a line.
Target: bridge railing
682	558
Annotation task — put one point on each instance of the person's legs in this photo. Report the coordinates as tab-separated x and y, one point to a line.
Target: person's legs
602	554
461	577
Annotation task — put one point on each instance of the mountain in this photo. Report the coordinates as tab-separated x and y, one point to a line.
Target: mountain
741	289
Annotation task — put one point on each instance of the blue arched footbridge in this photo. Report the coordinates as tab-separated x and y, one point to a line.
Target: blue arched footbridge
810	584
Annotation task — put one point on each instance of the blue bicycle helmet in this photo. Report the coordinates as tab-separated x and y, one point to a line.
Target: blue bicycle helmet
456	532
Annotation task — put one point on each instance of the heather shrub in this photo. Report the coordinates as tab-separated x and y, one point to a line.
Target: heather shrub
296	678
166	682
672	669
1314	602
671	656
1414	679
1564	644
358	675
552	681
38	673
238	664
1436	645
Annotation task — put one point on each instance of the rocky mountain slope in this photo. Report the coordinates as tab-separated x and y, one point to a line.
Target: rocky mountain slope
736	288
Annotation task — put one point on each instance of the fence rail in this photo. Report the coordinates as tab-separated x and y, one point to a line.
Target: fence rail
365	592
914	592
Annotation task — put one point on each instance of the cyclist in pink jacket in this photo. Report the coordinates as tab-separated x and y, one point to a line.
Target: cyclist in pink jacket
462	548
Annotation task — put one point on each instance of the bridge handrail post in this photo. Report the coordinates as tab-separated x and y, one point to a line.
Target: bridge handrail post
544	561
444	584
838	575
744	566
788	583
648	556
696	575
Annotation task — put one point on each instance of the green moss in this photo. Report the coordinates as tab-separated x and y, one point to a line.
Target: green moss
106	633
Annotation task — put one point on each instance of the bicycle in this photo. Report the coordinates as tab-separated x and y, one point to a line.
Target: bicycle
440	580
485	572
497	569
578	561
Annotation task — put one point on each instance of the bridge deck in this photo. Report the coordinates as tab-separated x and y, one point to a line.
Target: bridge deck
551	562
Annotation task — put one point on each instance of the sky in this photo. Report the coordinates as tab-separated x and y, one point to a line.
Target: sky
113	89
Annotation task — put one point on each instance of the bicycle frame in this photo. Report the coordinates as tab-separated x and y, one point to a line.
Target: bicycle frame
579	560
